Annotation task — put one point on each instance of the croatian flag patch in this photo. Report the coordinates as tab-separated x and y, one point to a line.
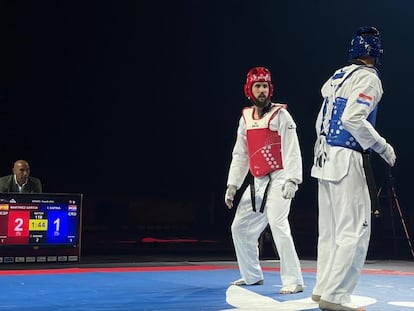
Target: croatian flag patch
364	99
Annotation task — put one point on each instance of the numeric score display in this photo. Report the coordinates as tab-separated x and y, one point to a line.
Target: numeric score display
40	219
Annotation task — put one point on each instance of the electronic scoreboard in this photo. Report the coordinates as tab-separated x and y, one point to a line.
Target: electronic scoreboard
40	227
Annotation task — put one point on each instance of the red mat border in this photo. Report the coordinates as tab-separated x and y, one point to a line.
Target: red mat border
168	268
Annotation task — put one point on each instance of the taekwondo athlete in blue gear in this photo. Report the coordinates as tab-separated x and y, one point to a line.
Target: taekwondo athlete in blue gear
345	137
268	146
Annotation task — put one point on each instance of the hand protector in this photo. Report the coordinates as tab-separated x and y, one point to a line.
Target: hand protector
389	155
385	150
289	189
229	196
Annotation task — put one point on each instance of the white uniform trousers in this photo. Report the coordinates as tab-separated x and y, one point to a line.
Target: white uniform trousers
248	225
344	233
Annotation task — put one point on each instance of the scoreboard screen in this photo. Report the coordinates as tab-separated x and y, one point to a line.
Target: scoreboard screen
40	227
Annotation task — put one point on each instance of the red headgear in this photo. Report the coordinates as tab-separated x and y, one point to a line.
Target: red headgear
257	74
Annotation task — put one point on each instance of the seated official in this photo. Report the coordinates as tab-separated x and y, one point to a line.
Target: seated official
20	181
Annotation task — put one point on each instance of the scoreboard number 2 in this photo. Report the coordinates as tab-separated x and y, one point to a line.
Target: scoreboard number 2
19	225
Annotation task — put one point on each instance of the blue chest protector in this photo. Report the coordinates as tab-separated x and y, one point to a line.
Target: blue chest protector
337	135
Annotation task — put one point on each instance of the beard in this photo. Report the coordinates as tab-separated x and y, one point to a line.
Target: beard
261	101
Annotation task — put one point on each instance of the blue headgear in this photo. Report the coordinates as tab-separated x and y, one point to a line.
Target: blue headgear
366	42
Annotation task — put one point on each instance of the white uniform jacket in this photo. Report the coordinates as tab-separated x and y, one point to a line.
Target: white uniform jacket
290	150
360	87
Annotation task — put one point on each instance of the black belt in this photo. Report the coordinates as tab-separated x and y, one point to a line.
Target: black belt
253	194
372	188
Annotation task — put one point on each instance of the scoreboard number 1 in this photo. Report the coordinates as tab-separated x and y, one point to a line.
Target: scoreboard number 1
57	224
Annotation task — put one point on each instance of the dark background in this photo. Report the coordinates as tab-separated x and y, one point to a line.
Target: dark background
135	104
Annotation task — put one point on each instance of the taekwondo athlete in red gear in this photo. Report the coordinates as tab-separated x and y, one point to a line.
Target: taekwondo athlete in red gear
345	135
267	145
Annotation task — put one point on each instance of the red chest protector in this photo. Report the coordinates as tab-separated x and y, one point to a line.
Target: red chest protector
264	145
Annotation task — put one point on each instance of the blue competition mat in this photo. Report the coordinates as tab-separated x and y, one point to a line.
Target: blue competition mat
183	289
